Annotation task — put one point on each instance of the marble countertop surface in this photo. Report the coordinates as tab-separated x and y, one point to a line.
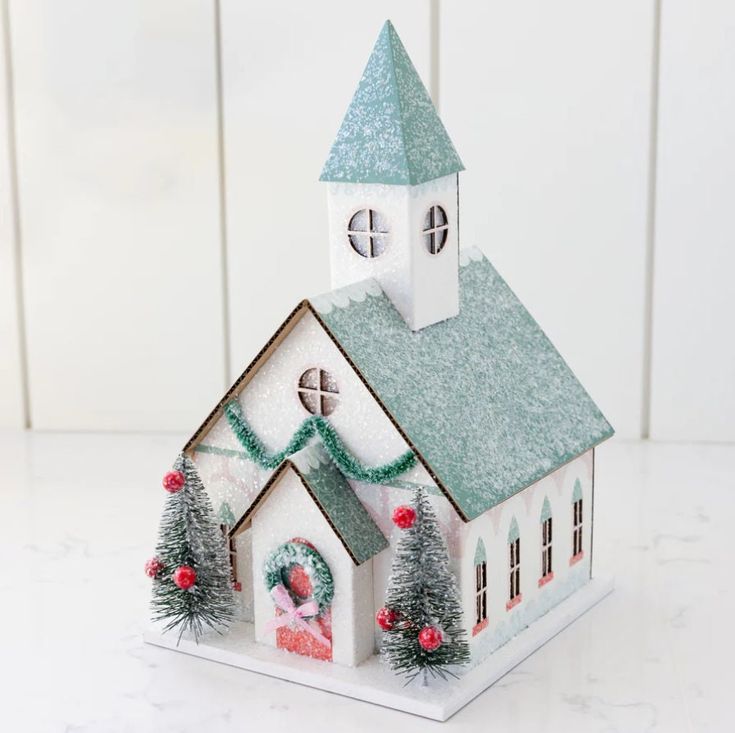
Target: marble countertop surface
78	519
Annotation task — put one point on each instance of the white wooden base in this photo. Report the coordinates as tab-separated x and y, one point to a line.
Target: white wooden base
373	682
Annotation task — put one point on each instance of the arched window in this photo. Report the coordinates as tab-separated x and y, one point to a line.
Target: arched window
577	550
436	229
318	391
367	233
547	572
480	588
514	555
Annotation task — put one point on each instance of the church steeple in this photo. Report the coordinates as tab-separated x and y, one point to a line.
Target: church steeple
391	132
392	177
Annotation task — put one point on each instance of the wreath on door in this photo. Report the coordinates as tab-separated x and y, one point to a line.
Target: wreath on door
285	556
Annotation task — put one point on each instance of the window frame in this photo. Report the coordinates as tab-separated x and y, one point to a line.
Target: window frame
370	233
480	592
547	537
430	233
577	525
320	393
514	553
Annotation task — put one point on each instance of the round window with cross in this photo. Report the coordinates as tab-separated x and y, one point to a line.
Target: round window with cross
435	230
318	391
368	233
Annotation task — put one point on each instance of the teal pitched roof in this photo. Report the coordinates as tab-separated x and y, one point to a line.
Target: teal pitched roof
391	132
334	496
353	524
484	398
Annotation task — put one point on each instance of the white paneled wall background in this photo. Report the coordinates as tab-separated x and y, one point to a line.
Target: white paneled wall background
12	367
160	211
693	368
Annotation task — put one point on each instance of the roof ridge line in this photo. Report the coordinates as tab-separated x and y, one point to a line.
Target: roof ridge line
391	33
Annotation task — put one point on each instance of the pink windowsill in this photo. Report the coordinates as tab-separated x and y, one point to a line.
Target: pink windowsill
547	578
514	602
576	558
477	628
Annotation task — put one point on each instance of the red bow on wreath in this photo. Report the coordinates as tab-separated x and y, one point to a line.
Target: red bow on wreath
293	614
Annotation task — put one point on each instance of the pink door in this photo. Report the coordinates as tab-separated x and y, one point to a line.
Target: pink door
300	641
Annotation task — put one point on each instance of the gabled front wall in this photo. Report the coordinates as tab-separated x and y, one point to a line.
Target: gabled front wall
492	527
272	407
287	513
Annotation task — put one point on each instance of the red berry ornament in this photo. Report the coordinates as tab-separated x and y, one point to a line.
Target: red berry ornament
404	516
430	638
386	618
173	481
153	567
184	576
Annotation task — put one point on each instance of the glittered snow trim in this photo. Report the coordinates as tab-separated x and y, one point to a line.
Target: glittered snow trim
468	255
525	614
312	458
341	298
315	425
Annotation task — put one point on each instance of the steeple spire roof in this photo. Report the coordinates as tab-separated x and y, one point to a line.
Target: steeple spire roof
391	133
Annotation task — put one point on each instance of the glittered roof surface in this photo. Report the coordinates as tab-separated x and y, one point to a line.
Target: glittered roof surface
391	132
338	502
484	397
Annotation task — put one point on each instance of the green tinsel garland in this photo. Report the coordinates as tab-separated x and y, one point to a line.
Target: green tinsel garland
315	424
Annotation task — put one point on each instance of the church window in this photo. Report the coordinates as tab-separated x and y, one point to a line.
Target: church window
577	535
368	233
318	391
547	572
577	552
480	588
514	556
436	227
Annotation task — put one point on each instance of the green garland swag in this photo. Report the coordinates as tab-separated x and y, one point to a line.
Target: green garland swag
297	553
315	424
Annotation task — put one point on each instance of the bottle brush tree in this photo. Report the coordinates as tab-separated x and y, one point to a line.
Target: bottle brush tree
192	582
422	617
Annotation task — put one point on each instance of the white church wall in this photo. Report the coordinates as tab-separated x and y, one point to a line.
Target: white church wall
363	608
229	478
434	277
290	512
243	567
392	269
493	528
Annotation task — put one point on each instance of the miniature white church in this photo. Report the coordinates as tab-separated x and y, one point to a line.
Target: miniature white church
420	368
